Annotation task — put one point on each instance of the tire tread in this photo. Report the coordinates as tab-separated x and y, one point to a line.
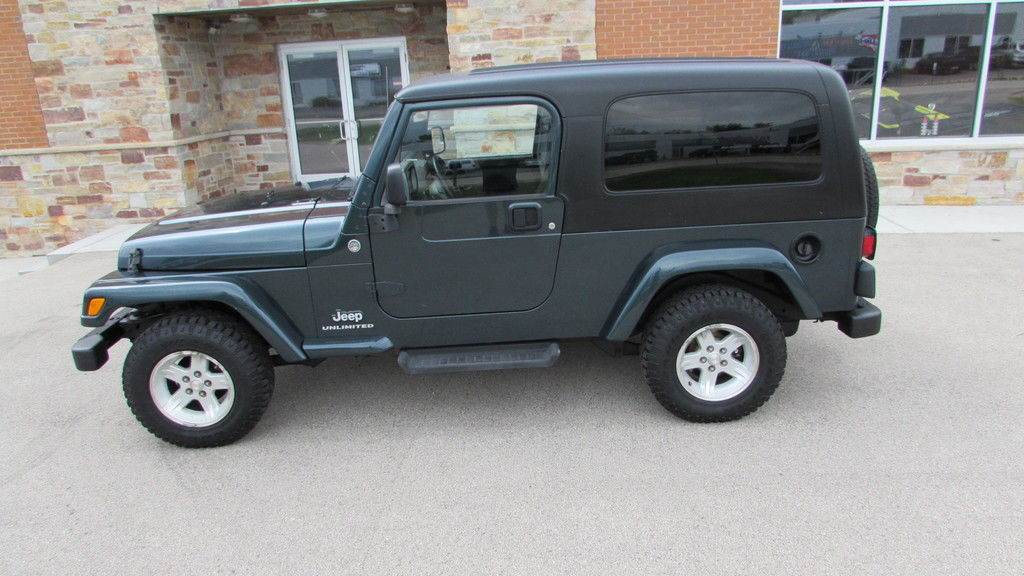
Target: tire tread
222	330
870	187
657	355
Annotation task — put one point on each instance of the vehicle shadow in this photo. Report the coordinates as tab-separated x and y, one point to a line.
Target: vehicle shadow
343	395
374	388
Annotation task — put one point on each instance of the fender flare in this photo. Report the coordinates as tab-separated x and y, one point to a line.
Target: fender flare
243	296
661	269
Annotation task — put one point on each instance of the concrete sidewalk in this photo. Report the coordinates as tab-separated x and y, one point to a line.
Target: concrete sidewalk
14	267
107	241
950	219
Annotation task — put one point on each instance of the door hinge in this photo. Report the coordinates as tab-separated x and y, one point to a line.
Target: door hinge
385	288
383	222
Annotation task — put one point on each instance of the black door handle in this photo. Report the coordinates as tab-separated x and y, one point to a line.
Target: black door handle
524	216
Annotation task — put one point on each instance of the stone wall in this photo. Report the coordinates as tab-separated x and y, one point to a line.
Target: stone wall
48	200
97	70
152	113
250	74
952	177
194	76
483	33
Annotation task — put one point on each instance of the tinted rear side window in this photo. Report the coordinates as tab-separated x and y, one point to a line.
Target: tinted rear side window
711	139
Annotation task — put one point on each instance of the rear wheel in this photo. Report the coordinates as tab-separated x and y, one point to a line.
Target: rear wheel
198	379
713	353
870	187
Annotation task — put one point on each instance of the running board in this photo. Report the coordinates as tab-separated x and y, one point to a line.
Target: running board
475	358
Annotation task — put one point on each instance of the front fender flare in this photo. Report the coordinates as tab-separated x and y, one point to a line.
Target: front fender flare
241	295
662	269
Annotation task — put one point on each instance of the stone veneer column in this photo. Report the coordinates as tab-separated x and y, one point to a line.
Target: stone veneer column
484	33
100	86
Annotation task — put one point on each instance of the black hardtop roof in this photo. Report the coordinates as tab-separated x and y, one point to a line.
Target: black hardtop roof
576	88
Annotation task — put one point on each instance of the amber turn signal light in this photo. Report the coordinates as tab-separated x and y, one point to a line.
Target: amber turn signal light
94	307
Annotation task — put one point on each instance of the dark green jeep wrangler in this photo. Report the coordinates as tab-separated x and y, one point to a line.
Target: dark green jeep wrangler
694	211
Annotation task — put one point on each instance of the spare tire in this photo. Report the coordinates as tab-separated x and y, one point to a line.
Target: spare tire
870	187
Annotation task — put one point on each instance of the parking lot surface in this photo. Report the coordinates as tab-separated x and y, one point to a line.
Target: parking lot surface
898	454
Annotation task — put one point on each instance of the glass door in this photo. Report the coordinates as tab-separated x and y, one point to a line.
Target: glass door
377	70
315	102
335	96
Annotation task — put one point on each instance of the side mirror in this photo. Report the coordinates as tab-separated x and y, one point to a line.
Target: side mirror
437	140
396	192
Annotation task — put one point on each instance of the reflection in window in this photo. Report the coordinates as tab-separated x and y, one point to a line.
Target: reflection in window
911	47
477	151
1004	93
376	76
711	139
316	90
930	79
316	107
846	40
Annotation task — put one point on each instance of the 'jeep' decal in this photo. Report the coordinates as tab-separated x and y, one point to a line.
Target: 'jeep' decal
353	321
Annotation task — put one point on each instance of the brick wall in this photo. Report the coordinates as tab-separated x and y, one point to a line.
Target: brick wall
21	119
660	28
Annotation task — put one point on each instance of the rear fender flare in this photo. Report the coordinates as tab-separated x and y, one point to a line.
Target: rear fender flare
660	269
244	297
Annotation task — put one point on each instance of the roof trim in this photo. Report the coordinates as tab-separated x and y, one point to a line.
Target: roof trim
615	62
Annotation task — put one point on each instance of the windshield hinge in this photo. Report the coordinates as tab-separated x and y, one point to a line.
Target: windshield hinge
135	261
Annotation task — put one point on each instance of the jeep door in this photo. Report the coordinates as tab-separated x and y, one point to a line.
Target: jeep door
482	227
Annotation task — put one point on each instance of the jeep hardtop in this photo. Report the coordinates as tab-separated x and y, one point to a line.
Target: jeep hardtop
691	211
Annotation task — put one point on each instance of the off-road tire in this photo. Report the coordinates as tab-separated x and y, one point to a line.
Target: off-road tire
870	187
685	313
243	354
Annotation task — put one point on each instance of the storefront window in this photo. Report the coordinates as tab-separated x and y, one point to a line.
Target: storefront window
846	40
930	75
788	2
935	56
1003	112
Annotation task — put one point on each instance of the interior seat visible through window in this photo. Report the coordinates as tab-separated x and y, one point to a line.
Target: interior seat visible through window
477	151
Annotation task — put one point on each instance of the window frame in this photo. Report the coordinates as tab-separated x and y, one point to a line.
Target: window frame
800	183
408	109
975	139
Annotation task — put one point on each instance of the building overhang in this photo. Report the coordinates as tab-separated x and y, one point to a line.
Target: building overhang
291	7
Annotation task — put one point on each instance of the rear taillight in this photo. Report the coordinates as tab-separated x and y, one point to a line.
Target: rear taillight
870	242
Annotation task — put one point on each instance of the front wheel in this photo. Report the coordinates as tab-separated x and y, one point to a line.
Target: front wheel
713	353
198	379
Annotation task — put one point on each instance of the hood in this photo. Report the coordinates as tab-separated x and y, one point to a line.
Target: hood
243	231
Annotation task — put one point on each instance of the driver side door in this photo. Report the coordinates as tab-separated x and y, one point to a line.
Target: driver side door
482	228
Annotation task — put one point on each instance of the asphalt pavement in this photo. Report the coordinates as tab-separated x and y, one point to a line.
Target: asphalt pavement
898	454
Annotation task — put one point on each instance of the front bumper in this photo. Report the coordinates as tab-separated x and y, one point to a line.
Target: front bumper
864	320
90	352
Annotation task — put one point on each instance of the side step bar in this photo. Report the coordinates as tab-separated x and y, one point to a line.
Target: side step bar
474	358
